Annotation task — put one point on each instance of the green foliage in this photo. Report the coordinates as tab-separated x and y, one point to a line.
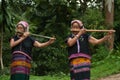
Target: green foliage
52	18
49	77
107	65
5	71
4	77
93	19
101	53
51	60
5	16
105	68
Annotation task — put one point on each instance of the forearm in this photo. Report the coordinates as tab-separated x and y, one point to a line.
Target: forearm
44	44
72	41
39	45
101	40
95	41
14	43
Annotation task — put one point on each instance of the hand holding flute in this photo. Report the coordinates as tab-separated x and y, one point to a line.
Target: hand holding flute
25	34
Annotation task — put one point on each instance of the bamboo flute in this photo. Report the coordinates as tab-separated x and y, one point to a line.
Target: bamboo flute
36	35
91	30
41	36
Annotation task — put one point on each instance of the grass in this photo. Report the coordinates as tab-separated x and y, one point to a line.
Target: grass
6	77
105	68
49	78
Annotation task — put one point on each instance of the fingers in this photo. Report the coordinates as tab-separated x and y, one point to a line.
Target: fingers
108	36
26	34
83	31
110	33
52	39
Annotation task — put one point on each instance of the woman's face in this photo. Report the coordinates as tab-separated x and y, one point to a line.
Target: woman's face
76	26
20	28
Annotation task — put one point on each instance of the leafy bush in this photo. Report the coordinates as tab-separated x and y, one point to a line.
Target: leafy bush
50	60
5	71
101	53
108	65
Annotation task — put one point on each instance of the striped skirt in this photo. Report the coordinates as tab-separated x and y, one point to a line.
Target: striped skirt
20	66
80	69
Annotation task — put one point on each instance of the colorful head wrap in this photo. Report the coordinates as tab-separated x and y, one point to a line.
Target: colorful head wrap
78	22
24	24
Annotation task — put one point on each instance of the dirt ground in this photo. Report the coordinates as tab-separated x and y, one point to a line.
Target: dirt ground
112	77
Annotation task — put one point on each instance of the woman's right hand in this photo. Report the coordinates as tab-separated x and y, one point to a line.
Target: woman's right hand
25	34
82	31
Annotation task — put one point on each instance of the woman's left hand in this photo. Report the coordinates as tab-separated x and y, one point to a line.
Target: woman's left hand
108	35
52	40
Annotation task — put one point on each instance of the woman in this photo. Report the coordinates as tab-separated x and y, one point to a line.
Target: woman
78	51
21	45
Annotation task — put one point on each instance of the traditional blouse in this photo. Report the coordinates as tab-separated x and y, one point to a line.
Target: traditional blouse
80	48
25	46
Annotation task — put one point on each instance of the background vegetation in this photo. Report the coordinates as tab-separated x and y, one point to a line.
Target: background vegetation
52	18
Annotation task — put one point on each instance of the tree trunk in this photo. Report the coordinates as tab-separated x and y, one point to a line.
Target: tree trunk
1	42
109	19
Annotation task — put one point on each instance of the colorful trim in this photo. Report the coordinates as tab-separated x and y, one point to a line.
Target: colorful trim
21	63
22	70
79	55
22	53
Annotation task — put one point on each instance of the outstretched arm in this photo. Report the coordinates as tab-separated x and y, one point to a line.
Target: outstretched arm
38	44
95	41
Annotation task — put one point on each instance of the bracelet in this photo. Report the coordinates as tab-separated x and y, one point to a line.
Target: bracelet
77	36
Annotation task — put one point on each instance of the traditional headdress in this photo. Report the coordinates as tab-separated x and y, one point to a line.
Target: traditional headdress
24	24
78	22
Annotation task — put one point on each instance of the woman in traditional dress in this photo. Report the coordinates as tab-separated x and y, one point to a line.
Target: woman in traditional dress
78	51
21	45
